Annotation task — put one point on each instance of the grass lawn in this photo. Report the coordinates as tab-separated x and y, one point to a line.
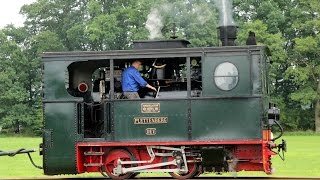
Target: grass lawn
302	158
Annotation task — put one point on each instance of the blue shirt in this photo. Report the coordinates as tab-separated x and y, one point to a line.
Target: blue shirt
131	80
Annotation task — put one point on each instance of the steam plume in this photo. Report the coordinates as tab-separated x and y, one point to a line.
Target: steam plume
225	10
154	24
155	19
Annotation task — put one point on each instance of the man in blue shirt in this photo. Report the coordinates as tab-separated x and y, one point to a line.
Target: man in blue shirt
132	80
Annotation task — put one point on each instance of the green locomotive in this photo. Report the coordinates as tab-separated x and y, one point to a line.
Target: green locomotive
211	112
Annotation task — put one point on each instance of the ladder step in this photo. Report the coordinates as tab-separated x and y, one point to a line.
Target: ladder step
93	164
93	153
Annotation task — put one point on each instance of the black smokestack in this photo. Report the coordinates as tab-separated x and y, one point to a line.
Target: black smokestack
228	35
227	28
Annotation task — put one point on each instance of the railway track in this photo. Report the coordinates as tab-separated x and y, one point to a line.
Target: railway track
157	178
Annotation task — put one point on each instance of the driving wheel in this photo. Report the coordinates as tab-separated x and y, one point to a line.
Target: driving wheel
193	170
111	163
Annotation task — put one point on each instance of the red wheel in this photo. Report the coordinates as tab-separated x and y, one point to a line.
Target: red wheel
111	162
193	170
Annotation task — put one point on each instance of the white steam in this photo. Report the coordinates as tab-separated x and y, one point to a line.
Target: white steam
226	12
155	19
154	24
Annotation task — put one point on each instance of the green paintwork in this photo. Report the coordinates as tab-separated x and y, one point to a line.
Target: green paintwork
217	115
174	130
226	119
59	125
59	142
209	65
55	81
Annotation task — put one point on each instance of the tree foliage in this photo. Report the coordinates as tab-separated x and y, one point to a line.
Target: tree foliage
14	110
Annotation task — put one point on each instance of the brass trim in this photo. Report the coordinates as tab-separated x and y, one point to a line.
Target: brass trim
150	120
151	131
150	107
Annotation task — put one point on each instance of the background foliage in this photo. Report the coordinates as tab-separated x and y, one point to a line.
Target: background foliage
289	27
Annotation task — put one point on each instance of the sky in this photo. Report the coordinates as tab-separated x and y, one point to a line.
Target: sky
9	12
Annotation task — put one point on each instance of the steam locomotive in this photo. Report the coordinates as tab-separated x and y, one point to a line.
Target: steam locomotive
211	112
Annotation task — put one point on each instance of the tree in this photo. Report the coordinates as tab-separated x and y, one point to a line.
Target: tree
14	110
304	67
104	25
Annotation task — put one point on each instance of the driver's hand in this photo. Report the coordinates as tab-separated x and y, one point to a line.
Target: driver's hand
151	87
154	89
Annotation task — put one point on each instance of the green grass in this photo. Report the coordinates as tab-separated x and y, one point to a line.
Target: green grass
19	165
302	158
302	133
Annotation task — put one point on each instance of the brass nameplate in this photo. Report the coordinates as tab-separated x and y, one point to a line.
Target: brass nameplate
151	131
150	120
150	107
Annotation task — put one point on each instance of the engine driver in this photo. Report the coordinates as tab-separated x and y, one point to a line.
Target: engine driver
132	80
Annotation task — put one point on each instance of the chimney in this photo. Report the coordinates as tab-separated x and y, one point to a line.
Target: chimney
227	30
227	35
